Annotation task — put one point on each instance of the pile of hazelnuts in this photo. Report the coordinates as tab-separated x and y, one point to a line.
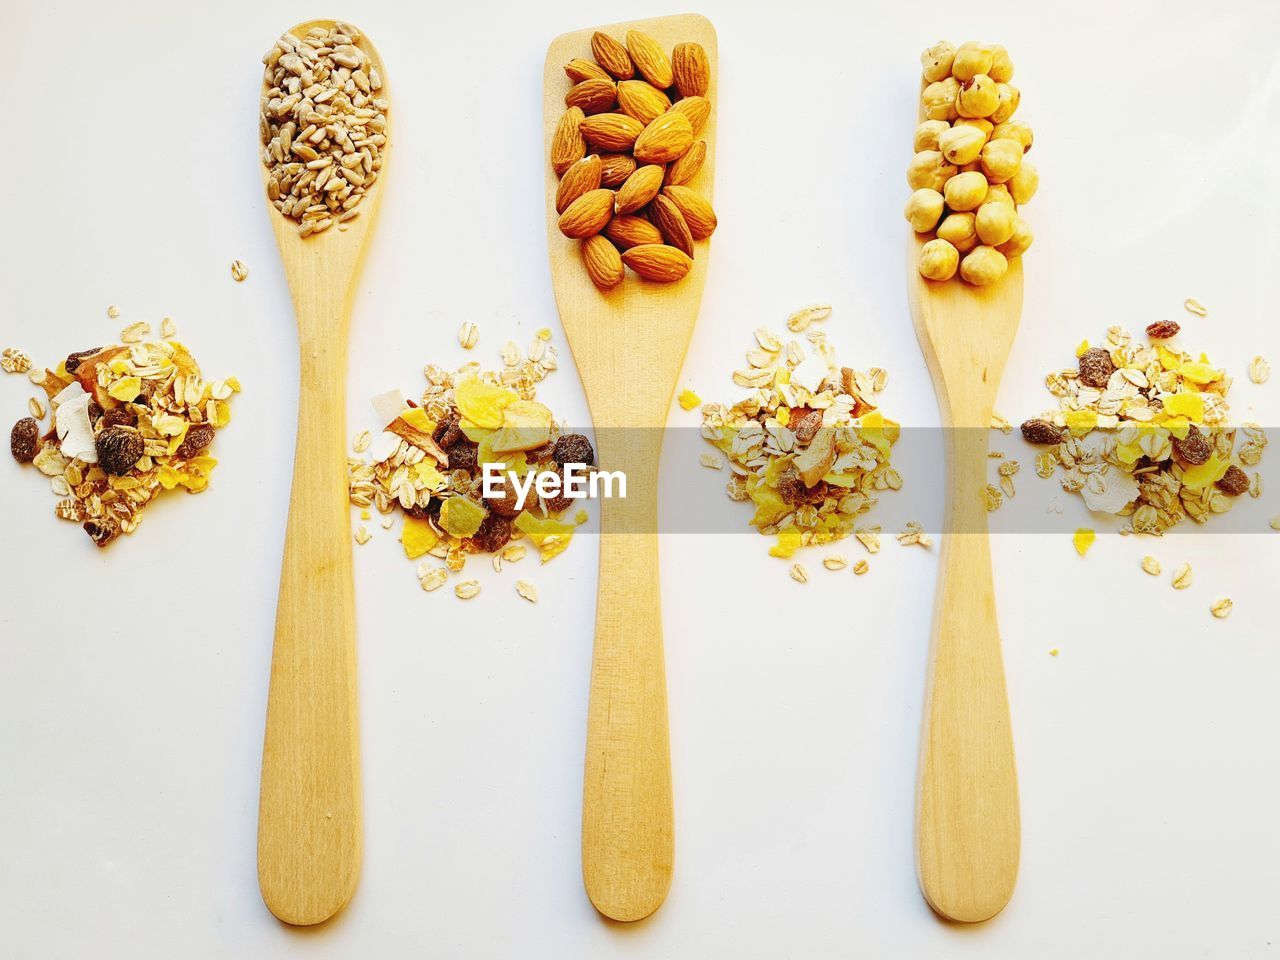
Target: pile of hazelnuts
968	174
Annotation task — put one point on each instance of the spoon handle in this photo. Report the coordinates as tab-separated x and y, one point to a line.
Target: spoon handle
627	819
309	814
967	830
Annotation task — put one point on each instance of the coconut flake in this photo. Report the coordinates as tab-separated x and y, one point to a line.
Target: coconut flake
75	432
389	405
1117	491
384	446
810	373
70	391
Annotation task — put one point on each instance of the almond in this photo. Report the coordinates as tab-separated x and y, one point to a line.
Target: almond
582	177
567	145
611	55
649	59
691	69
602	261
687	167
670	222
588	214
641	187
662	141
612	131
642	100
695	209
615	168
578	70
697	109
593	96
658	262
632	231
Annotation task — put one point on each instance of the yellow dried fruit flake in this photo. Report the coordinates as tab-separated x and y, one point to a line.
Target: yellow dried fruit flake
460	517
551	537
1080	422
417	418
1200	371
483	403
126	389
1211	471
789	541
689	400
418	537
526	425
1189	405
1083	540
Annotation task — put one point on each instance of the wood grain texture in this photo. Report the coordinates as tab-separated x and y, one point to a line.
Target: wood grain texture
629	345
967	826
309	837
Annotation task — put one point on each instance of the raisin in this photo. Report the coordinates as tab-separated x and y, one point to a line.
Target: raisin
448	431
1194	449
119	448
561	501
1163	329
24	440
573	448
804	423
1096	367
433	507
120	417
1234	482
73	359
418	511
463	455
504	505
793	491
493	535
199	436
94	411
101	532
539	454
1040	431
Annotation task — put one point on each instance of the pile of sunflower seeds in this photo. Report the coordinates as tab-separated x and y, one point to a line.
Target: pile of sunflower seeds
323	126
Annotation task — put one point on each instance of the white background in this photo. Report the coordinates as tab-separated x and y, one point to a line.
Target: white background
133	681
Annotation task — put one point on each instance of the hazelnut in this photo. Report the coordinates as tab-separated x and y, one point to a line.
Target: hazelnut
1001	65
1024	183
929	169
983	265
965	191
924	209
928	133
961	145
1007	98
995	223
980	123
939	99
936	60
1001	160
999	193
971	59
119	448
1019	242
1014	130
978	97
959	231
938	260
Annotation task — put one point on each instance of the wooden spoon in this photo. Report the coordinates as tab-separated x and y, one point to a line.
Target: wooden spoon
309	814
629	345
967	826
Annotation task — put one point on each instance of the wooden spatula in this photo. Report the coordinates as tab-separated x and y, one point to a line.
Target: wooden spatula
967	828
309	811
629	345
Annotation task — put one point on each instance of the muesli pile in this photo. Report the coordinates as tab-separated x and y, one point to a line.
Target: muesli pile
427	463
126	422
1141	430
808	446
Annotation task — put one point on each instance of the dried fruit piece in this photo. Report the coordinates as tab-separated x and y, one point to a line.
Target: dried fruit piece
603	263
460	517
1040	431
418	537
690	69
493	534
101	531
199	436
1083	539
1194	449
551	537
506	502
612	56
658	262
1096	367
587	215
1234	482
72	363
649	59
119	448
688	400
573	448
1163	329
697	212
482	403
581	178
24	440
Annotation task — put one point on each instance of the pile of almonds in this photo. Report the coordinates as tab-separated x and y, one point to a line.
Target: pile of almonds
638	112
968	174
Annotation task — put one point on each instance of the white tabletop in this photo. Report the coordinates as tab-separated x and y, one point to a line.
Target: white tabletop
133	681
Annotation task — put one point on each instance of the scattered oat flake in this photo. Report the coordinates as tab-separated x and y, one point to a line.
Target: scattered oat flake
1000	423
239	272
800	320
513	553
36	407
432	578
468	335
467	589
1275	522
711	461
1182	577
168	328
1083	540
113	312
860	568
387	522
1259	370
1196	307
689	400
1222	609
993	497
362	441
135	332
835	561
799	574
13	360
1151	565
362	535
527	590
869	537
914	534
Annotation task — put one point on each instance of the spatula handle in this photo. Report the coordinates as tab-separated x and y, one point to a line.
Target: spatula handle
968	833
627	821
309	813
